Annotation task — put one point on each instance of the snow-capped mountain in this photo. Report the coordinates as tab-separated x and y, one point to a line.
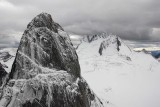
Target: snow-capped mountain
46	70
118	75
7	56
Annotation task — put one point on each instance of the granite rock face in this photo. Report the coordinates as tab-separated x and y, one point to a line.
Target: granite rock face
42	45
3	73
46	71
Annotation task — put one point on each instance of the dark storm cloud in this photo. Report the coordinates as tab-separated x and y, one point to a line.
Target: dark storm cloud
130	19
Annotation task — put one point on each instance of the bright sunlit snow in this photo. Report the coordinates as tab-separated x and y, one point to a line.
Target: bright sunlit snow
122	79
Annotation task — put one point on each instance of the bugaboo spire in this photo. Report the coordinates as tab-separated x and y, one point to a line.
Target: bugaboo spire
46	71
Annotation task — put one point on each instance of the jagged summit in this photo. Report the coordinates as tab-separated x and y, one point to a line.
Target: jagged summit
90	38
7	56
46	71
44	20
106	44
41	46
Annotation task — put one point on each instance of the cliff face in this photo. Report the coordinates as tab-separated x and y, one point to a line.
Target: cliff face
46	71
3	73
42	45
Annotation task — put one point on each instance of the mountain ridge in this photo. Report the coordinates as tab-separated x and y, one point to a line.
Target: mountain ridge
123	78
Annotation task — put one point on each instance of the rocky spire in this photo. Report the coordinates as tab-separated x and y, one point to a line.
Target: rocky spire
44	20
46	71
42	45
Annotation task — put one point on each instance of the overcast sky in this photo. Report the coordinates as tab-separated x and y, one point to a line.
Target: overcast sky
129	19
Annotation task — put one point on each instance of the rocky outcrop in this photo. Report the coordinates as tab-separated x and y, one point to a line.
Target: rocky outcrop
46	71
41	45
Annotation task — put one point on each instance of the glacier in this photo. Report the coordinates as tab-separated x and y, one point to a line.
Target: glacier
120	77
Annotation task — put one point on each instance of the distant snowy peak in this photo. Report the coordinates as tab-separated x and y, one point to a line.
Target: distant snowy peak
90	38
7	57
112	44
111	40
10	51
112	70
105	44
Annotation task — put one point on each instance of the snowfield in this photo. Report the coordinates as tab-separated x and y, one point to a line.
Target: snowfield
120	78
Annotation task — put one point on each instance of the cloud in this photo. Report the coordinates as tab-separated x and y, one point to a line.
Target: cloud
129	19
156	33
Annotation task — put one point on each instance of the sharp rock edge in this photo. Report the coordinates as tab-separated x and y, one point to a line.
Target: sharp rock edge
3	74
46	71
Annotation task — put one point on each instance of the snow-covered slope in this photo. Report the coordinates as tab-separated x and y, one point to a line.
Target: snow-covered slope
118	75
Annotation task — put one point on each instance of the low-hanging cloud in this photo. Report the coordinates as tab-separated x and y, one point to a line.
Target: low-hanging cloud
129	19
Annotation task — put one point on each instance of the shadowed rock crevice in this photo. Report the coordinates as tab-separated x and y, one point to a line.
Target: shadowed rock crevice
118	44
3	73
